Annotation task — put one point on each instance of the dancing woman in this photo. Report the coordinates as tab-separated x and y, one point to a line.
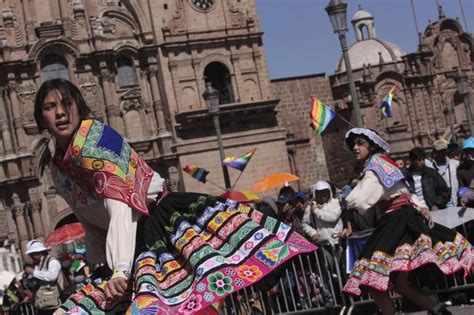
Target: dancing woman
181	252
405	238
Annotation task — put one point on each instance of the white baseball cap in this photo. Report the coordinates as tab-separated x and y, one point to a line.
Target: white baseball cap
34	246
320	185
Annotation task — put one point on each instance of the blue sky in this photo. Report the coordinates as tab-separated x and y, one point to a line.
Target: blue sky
299	40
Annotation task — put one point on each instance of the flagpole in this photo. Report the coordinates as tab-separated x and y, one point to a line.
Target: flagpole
345	120
237	180
217	185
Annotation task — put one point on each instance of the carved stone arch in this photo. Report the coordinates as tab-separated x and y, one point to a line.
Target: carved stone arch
217	58
62	214
42	153
62	46
108	17
450	24
128	47
390	75
135	8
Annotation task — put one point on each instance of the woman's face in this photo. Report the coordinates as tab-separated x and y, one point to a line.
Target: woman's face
60	117
361	149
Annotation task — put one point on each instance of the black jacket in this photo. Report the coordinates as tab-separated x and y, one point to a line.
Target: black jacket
435	190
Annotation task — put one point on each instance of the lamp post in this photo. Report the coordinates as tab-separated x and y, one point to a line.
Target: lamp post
462	85
337	11
211	96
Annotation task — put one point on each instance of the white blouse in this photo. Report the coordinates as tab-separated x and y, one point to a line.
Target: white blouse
110	225
370	190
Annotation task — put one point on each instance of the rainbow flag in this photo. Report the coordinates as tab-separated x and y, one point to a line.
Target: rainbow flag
386	105
239	163
198	173
321	115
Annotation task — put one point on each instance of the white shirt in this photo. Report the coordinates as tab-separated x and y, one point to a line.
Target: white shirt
48	273
370	190
418	186
110	225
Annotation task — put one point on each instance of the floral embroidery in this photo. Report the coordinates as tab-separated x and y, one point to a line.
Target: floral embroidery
274	252
248	245
219	283
258	236
230	272
199	272
191	305
251	273
209	297
239	282
201	287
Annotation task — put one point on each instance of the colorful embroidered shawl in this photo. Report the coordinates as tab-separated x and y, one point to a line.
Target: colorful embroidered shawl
100	160
385	169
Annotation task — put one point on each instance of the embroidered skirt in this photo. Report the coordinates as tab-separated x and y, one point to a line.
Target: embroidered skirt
196	250
402	242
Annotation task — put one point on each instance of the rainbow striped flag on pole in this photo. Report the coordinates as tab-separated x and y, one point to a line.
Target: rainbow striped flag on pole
239	163
321	115
386	105
198	173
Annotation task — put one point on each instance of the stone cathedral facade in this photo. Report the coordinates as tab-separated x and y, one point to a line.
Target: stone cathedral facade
142	67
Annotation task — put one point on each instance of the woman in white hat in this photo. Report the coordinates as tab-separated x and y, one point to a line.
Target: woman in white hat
405	238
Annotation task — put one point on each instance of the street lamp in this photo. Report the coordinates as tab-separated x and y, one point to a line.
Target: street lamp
211	96
462	85
337	11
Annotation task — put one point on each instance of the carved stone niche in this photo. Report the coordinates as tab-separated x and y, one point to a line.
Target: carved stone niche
49	30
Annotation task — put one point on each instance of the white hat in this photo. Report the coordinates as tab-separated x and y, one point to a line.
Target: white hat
34	246
321	185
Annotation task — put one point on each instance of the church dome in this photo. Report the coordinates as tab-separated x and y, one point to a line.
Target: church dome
368	49
362	14
369	52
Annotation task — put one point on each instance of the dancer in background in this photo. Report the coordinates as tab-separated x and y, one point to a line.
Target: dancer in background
184	251
404	238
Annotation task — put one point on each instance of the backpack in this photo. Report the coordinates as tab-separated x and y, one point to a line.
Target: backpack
50	294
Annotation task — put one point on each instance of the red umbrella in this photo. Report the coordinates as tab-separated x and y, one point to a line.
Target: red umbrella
240	196
64	234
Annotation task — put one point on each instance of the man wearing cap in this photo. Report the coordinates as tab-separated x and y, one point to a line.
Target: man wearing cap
322	217
446	167
47	271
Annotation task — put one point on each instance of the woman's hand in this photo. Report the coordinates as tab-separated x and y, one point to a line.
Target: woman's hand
115	289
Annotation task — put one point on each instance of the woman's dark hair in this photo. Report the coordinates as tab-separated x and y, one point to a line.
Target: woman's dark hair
69	92
417	154
286	190
454	149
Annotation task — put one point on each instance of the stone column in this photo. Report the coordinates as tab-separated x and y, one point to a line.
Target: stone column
51	207
155	95
108	78
35	207
19	213
17	120
6	140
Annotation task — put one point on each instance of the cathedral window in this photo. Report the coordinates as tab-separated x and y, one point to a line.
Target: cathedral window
219	76
126	72
54	67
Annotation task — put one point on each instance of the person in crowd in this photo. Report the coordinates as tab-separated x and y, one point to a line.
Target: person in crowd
47	271
79	268
454	151
465	174
285	208
405	227
128	215
268	206
446	167
401	164
322	219
299	206
426	182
